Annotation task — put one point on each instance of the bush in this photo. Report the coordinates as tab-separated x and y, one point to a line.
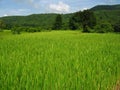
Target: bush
86	29
1	30
16	30
2	25
103	28
37	29
116	27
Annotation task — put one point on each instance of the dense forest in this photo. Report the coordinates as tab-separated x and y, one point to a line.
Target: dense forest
101	18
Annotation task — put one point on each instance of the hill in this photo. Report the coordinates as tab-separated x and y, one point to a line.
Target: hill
111	16
36	20
109	13
106	7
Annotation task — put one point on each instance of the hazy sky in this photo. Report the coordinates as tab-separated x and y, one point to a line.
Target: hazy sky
26	7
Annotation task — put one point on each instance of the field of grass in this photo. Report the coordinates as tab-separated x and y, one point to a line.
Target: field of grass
59	60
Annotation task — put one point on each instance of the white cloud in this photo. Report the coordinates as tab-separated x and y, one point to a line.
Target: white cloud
5	15
84	9
59	8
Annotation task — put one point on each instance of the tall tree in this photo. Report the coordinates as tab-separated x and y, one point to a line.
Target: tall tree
72	24
116	27
58	23
86	19
2	25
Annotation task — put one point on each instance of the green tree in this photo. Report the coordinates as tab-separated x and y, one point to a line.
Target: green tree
74	21
104	27
16	30
2	25
73	25
86	19
116	27
58	23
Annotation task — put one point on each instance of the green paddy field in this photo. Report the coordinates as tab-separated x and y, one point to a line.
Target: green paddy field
59	60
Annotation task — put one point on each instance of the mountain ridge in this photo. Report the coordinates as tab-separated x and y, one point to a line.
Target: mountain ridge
102	12
106	7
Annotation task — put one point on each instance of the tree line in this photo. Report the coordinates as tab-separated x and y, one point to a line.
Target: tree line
85	21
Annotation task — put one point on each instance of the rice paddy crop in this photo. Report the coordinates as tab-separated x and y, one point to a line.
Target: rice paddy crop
59	60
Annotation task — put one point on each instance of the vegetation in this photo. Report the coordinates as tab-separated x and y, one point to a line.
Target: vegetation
103	27
86	19
59	60
43	21
2	25
73	25
16	30
58	23
107	13
106	7
117	27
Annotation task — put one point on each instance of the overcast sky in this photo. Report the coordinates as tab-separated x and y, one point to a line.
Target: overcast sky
26	7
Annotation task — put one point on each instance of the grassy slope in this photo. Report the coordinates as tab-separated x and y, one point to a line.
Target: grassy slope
59	60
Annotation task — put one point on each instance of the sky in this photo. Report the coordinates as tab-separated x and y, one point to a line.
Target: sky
27	7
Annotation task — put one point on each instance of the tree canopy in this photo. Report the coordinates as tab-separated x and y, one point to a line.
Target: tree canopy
2	25
58	23
84	19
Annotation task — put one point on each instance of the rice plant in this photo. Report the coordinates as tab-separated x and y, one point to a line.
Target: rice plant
59	60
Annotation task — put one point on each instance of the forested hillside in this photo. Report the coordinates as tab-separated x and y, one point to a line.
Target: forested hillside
36	20
106	7
109	13
103	13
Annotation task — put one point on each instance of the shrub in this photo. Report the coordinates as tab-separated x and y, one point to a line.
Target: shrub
31	29
86	29
16	30
1	30
103	28
116	27
2	25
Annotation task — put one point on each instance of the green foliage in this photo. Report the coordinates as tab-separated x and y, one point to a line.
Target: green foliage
16	30
106	7
2	25
65	26
37	29
103	27
117	27
59	60
46	21
58	23
86	29
86	19
73	25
